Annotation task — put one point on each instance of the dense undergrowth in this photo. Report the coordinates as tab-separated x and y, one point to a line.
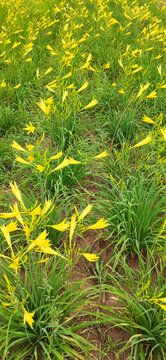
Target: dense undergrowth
82	174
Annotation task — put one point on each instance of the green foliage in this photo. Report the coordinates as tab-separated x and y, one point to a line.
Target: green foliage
135	211
56	303
79	80
135	313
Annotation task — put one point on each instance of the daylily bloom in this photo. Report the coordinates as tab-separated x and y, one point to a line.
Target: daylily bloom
28	317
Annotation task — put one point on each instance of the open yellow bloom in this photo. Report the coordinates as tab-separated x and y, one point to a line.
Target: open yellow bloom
28	317
40	241
30	128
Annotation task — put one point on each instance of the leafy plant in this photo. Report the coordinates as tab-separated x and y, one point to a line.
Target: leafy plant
39	310
135	211
136	313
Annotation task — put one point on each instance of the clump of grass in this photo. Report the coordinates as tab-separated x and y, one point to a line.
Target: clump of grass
136	312
39	310
135	210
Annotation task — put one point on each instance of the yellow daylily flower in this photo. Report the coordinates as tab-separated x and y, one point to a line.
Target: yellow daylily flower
143	142
136	70
73	161
72	227
162	299
106	66
91	104
163	131
16	191
142	89
28	60
50	251
61	226
15	44
121	91
159	69
48	71
71	86
12	226
17	86
85	212
101	155
17	214
41	240
57	156
44	107
36	211
28	317
30	147
30	128
16	264
6	234
27	231
67	76
46	207
90	257
162	306
22	161
100	224
152	95
83	87
121	64
3	84
16	146
49	100
64	96
64	163
40	168
147	120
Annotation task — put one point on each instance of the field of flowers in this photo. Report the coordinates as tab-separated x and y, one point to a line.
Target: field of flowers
82	174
